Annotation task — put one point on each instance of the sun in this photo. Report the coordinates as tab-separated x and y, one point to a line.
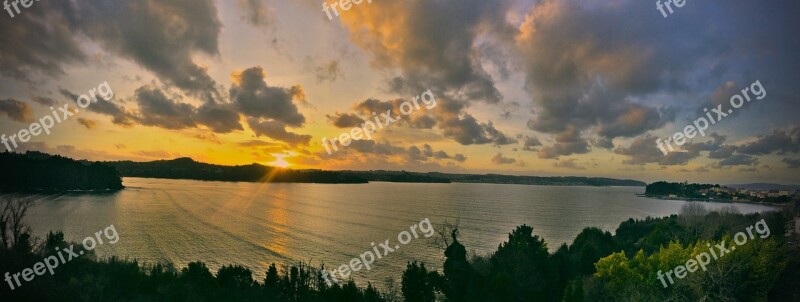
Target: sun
280	161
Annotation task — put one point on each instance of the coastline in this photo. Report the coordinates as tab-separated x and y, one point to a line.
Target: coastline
777	205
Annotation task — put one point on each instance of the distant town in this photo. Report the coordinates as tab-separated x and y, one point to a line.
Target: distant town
708	192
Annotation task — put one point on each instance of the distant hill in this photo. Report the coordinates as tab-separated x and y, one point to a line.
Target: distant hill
36	171
186	168
540	180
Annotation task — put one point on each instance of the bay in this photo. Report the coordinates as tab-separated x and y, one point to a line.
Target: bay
254	224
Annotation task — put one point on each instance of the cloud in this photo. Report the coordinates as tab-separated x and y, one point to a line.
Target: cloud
583	73
780	141
257	143
254	98
419	118
467	131
567	143
160	36
501	160
568	164
737	160
89	124
156	109
328	72
221	118
793	163
643	150
270	109
22	52
256	12
440	54
16	110
119	115
463	128
529	143
344	120
372	151
276	130
44	101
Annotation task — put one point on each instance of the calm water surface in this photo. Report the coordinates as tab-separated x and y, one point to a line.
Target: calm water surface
251	224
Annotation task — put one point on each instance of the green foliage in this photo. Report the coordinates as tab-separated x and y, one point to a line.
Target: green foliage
663	188
35	171
419	284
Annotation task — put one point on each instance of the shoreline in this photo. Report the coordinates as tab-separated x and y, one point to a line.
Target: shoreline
777	205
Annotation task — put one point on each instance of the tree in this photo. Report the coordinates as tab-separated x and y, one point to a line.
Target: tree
235	277
461	282
417	286
12	228
521	269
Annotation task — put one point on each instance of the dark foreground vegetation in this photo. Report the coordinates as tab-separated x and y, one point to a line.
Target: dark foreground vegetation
36	171
595	267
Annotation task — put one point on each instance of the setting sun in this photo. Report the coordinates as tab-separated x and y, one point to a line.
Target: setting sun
280	161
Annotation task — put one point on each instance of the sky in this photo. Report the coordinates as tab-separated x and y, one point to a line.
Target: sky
521	87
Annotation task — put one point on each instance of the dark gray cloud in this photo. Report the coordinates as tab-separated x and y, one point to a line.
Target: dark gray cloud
582	72
43	100
118	114
254	98
723	152
499	159
440	54
277	131
643	150
23	51
737	160
466	130
16	110
529	143
779	141
567	142
344	120
271	109
380	148
157	109
793	163
161	36
418	119
221	118
89	124
384	150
